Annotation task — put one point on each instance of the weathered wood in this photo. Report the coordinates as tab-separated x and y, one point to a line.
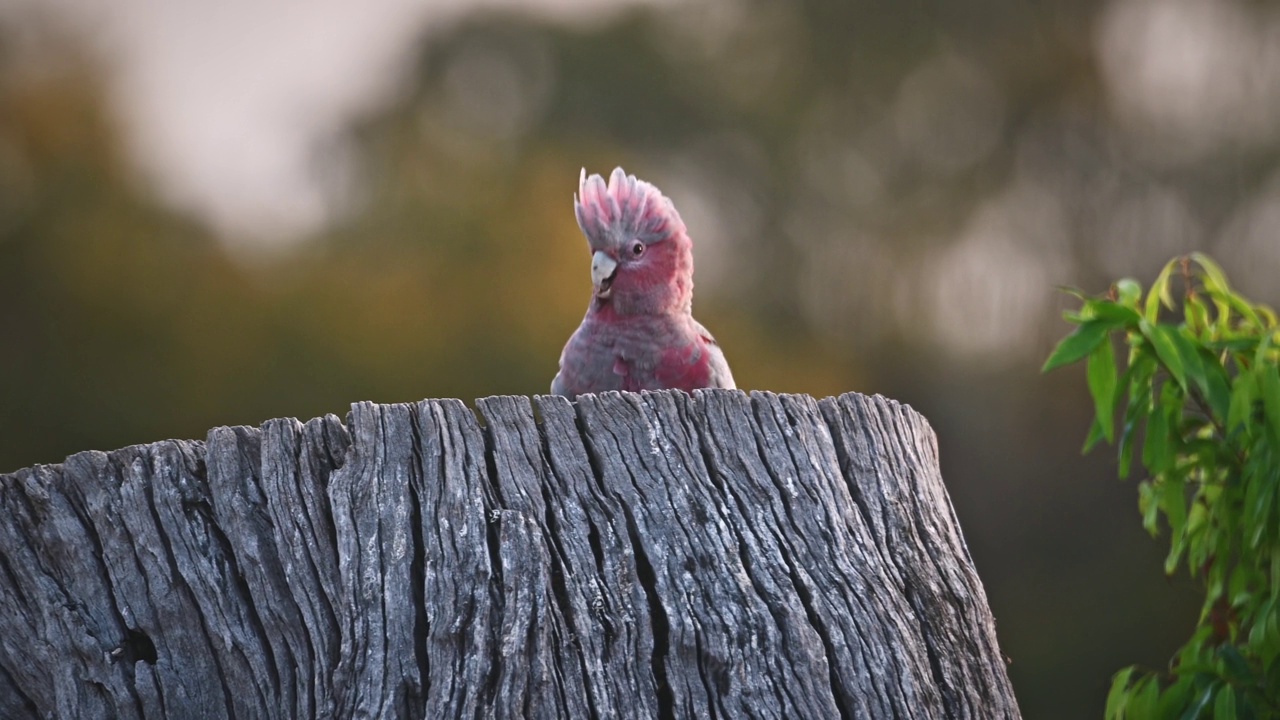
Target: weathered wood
630	555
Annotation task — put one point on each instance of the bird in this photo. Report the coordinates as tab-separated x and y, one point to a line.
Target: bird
639	332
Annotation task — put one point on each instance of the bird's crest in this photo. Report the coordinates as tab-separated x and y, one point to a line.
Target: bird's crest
625	208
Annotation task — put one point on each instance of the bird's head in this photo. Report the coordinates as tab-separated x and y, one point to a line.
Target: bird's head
641	256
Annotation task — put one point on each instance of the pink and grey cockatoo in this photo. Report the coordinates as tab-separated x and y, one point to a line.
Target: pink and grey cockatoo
639	333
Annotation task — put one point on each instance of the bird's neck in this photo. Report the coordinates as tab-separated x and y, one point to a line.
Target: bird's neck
638	305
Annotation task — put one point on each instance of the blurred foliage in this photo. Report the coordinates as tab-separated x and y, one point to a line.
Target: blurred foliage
881	197
1206	392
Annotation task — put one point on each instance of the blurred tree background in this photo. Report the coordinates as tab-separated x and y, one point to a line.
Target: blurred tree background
882	198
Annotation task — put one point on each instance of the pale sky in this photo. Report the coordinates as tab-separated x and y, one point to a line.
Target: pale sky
225	103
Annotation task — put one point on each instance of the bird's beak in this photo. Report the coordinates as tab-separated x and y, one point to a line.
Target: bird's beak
603	270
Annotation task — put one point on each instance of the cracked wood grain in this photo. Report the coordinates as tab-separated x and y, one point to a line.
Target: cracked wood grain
628	555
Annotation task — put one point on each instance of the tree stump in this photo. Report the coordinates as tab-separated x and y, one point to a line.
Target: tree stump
627	555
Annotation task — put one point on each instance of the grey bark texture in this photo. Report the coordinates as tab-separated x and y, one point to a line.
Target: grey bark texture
629	555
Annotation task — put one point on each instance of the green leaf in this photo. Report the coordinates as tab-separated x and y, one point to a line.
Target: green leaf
1078	344
1235	667
1197	706
1275	573
1243	392
1160	292
1175	697
1269	389
1189	657
1173	500
1240	345
1157	451
1162	443
1124	452
1197	314
1117	696
1128	291
1197	517
1217	390
1102	377
1267	316
1224	706
1192	367
1271	642
1142	366
1258	499
1142	703
1215	283
1211	269
1113	313
1258	635
1149	506
1204	371
1251	315
1238	586
1162	339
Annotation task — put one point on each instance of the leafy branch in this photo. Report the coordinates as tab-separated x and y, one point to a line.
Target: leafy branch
1201	381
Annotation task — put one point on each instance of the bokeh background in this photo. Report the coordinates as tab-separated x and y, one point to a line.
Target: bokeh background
221	211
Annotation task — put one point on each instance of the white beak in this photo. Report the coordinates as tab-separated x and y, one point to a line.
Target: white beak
602	267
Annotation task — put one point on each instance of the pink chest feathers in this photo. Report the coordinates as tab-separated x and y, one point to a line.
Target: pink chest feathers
685	367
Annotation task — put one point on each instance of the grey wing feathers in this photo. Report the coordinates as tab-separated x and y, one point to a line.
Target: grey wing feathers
721	376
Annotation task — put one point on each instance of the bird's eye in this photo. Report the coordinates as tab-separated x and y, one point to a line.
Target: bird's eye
637	249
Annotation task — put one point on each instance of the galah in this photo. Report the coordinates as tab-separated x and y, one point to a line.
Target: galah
639	332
